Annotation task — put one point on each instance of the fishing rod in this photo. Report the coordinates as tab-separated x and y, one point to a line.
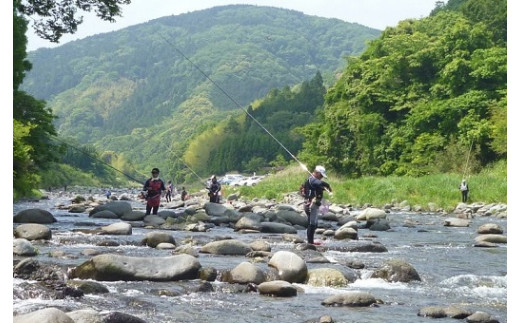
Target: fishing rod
467	160
233	100
125	174
188	167
99	160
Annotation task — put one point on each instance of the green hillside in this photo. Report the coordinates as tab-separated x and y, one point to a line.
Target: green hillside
428	96
133	93
422	98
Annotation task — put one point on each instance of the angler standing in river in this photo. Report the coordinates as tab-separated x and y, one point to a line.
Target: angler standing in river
153	188
169	191
214	190
314	187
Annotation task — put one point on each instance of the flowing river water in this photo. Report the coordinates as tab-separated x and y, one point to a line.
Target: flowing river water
453	272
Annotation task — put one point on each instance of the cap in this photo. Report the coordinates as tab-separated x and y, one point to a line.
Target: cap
321	170
155	170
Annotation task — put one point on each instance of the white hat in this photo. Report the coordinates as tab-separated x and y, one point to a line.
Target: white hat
321	170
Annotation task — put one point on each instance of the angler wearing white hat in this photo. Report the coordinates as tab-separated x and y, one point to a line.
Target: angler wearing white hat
314	187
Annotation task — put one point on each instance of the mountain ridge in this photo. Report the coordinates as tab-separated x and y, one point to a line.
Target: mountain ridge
127	89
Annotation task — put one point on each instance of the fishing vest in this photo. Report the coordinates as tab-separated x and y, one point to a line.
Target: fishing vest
155	187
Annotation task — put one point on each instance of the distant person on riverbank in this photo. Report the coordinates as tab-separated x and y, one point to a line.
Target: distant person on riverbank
313	195
464	189
214	190
153	188
169	189
108	193
184	194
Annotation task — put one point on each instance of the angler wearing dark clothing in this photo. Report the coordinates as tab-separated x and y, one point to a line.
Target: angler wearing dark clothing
184	194
214	190
153	188
169	191
314	188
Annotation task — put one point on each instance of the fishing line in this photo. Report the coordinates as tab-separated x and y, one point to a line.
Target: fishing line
188	167
233	100
99	160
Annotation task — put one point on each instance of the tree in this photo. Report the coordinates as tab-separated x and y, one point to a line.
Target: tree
33	129
421	91
53	18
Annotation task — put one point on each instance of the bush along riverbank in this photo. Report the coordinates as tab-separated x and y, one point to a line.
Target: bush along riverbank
195	252
437	192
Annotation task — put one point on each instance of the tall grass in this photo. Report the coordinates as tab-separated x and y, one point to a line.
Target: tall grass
489	186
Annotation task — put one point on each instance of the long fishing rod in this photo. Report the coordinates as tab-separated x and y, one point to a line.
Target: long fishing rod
233	100
467	160
99	160
188	167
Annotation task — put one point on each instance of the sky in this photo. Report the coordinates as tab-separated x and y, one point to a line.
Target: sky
377	14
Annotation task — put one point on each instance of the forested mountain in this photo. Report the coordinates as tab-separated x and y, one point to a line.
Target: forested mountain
425	97
265	135
141	93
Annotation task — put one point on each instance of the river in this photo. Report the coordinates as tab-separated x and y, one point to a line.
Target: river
452	271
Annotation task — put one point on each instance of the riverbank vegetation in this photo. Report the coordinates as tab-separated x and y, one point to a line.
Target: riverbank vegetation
423	104
488	186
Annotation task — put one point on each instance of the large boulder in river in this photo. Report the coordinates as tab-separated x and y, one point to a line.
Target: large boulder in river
441	312
104	214
456	222
120	208
378	225
490	228
359	246
290	267
152	239
249	221
215	209
86	316
22	247
230	247
46	315
279	288
133	216
493	238
33	231
246	273
112	267
328	277
351	298
396	270
292	217
274	227
119	228
31	269
346	232
153	220
120	317
371	213
34	216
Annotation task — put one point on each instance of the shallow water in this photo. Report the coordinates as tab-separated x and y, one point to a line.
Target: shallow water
453	272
